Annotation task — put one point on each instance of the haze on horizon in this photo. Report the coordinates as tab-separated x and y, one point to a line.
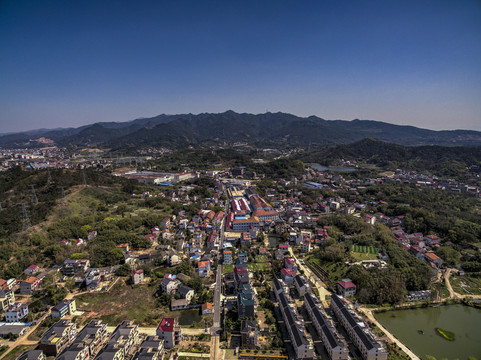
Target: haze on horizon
67	64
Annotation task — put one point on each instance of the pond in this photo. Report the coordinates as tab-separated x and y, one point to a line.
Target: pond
416	328
188	317
319	167
273	241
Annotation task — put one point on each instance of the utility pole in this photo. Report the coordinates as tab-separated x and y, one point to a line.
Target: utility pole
1	206
49	177
84	178
26	220
62	192
34	195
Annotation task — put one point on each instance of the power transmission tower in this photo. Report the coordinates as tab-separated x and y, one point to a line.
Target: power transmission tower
26	220
34	195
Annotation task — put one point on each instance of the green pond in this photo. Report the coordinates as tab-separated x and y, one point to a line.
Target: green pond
416	329
188	317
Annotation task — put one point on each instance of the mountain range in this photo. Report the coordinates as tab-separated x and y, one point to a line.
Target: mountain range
269	129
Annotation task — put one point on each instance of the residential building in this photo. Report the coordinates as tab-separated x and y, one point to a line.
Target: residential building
249	333
301	285
301	342
169	285
179	304
137	276
186	293
32	355
7	298
29	285
369	346
203	267
242	257
72	267
241	225
91	337
287	276
16	312
207	308
63	308
152	348
246	303
333	342
170	331
227	257
32	269
58	337
346	287
306	245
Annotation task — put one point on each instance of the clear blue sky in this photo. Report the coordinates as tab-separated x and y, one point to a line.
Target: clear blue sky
69	63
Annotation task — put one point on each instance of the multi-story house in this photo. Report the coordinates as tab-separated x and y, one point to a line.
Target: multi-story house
363	339
7	298
32	355
170	331
152	348
16	312
137	276
29	285
121	342
248	333
58	337
63	308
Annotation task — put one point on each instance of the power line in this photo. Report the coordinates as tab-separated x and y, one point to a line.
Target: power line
34	195
26	220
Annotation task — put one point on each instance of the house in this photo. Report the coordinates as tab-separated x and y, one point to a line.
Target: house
287	276
165	224
72	267
306	245
29	285
179	304
227	257
63	308
58	337
207	308
262	251
346	287
301	285
137	276
7	297
290	263
249	333
433	258
283	248
169	285
246	305
186	293
242	257
32	355
152	348
16	312
170	331
203	267
32	269
124	247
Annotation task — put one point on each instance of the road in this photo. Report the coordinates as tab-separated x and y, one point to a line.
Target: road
22	340
215	330
452	293
321	288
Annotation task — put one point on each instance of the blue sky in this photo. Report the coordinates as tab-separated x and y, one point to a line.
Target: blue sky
413	62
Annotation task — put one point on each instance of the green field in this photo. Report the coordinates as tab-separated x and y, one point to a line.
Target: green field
466	285
358	256
227	269
259	266
364	249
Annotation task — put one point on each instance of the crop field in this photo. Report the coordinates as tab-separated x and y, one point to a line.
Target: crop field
364	249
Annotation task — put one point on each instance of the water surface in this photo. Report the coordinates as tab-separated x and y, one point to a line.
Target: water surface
463	321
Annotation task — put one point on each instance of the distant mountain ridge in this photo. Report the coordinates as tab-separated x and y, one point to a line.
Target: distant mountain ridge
270	129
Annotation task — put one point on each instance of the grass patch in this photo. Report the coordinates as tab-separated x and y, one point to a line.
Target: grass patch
3	349
227	269
137	303
259	267
364	249
466	285
448	335
363	256
16	352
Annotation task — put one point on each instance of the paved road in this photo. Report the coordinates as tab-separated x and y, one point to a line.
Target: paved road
215	351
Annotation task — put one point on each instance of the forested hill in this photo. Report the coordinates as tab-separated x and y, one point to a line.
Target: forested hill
269	129
443	161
